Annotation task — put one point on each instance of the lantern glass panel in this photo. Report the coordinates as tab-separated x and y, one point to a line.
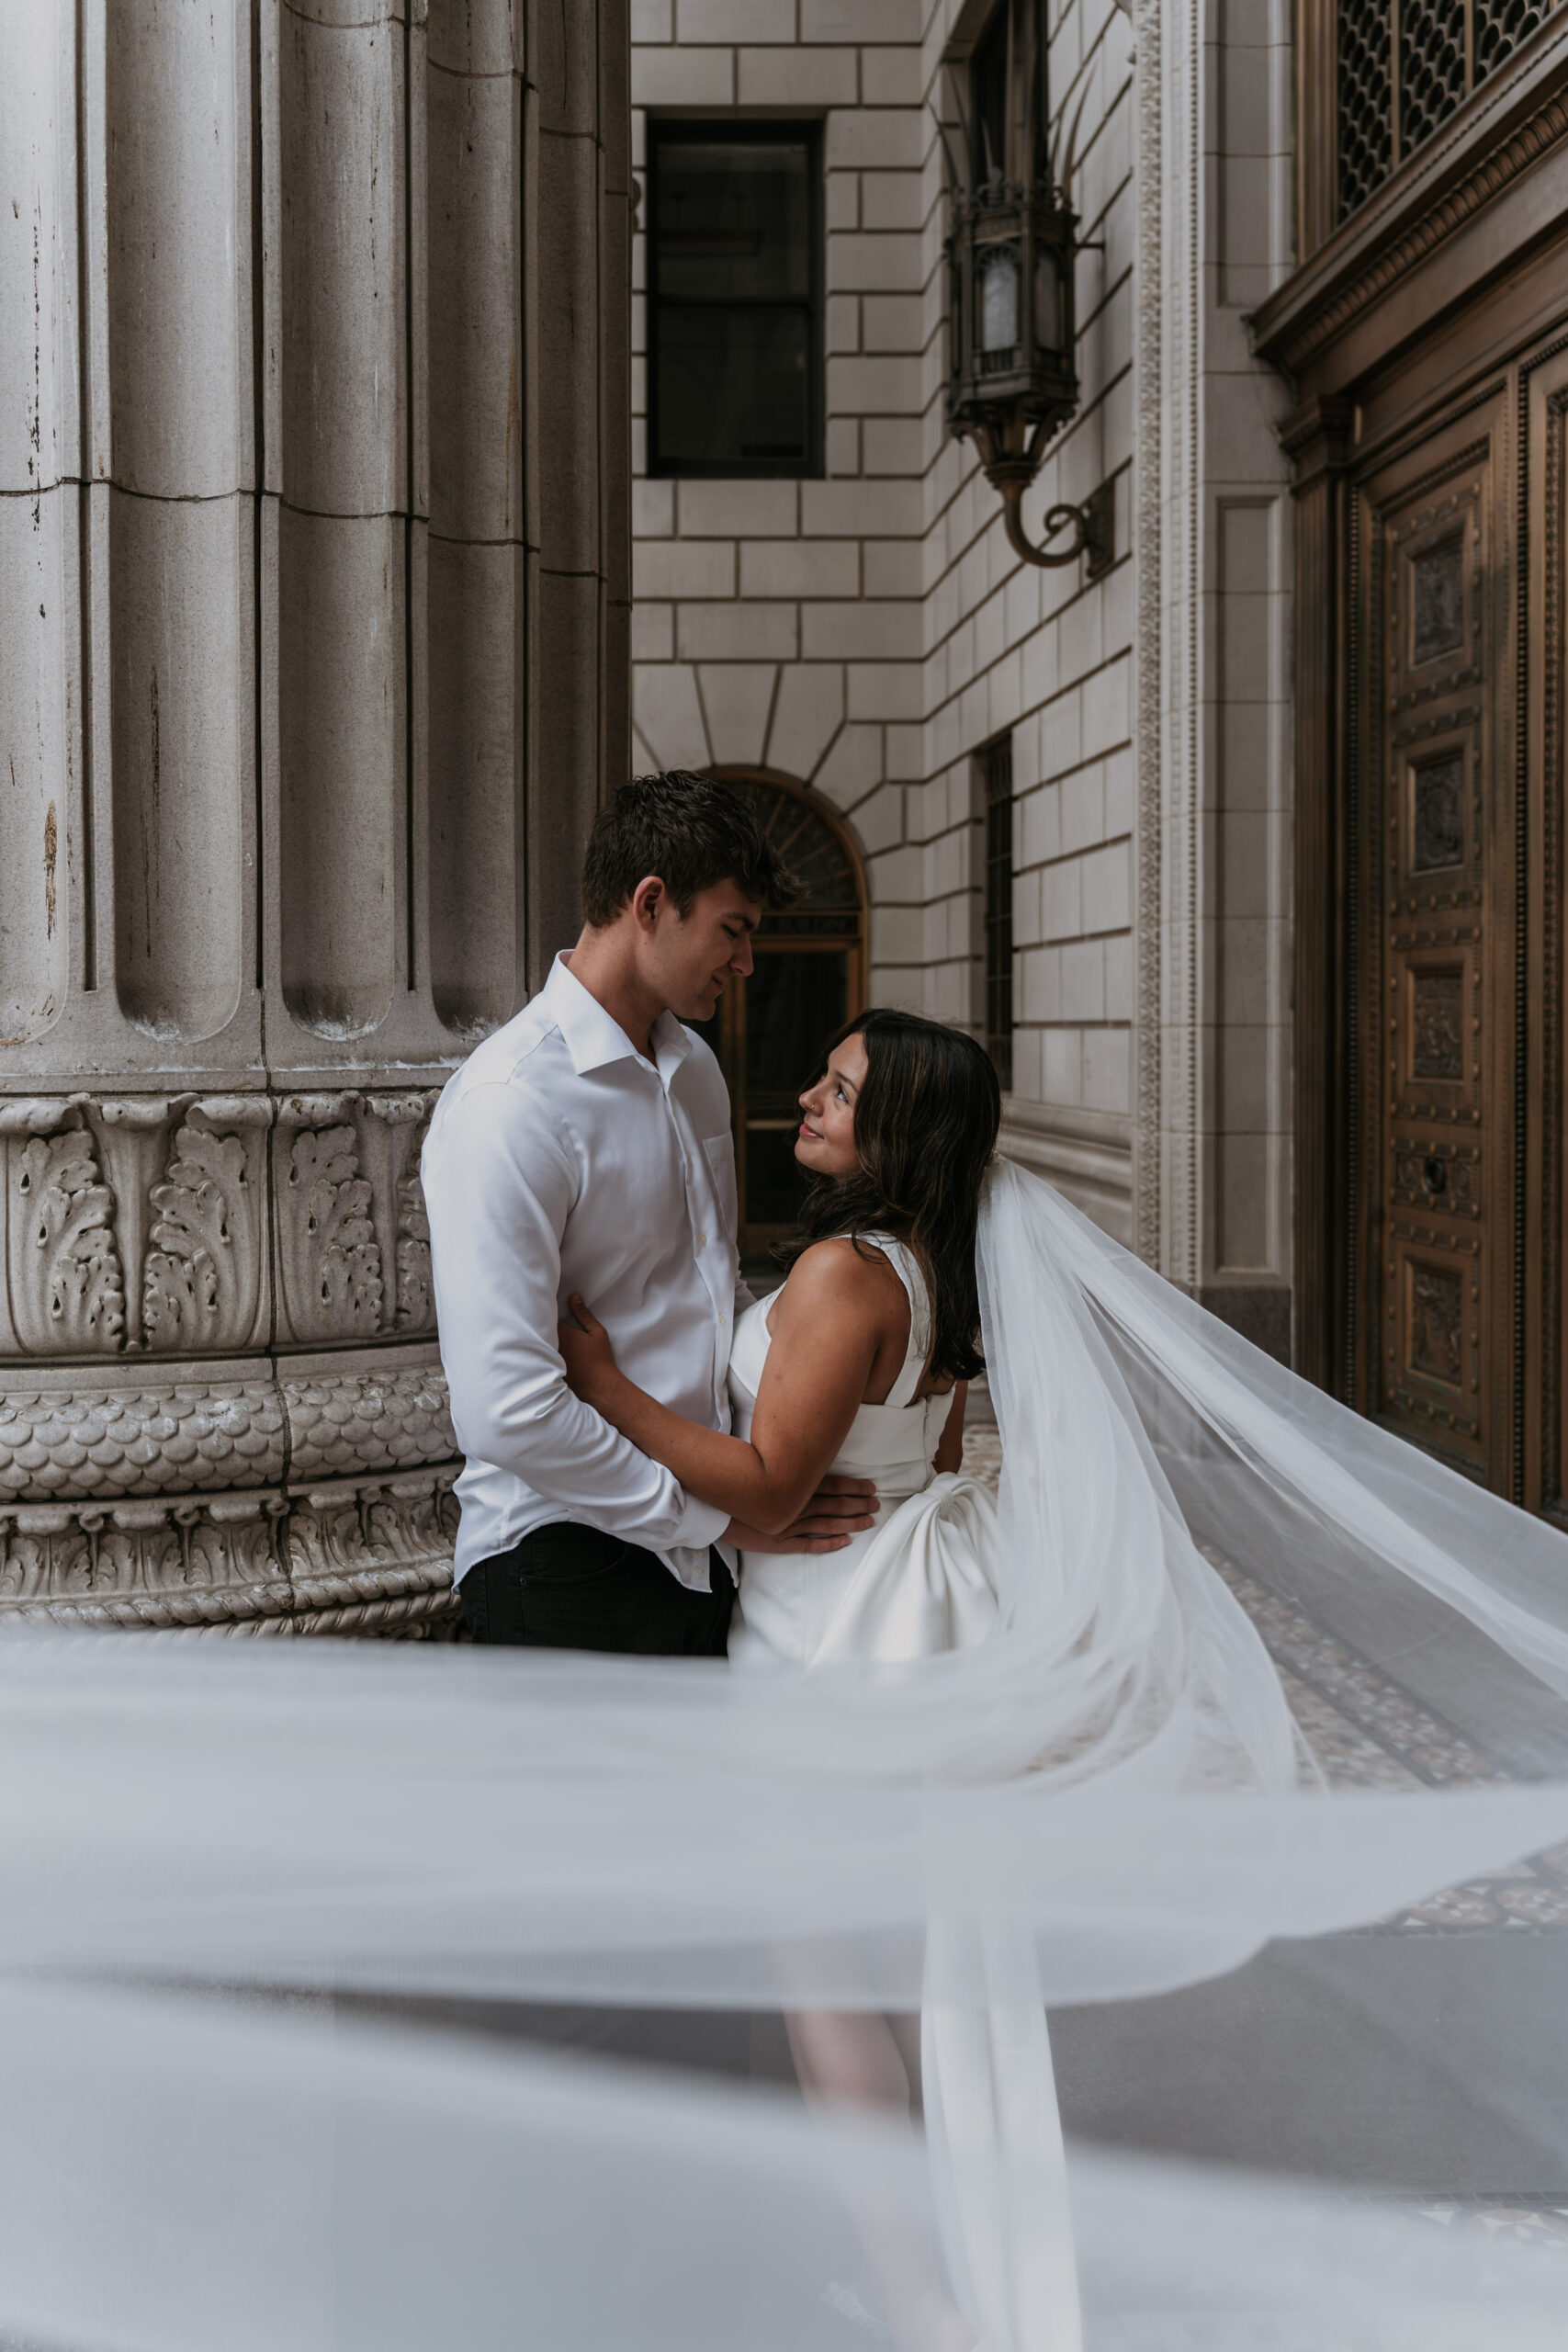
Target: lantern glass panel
998	302
1047	299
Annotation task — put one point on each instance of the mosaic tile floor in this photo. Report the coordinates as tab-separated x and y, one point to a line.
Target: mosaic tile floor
1366	1733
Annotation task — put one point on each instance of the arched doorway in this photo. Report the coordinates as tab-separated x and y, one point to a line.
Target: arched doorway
809	979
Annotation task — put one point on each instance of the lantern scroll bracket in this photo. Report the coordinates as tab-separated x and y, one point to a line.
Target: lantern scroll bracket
1093	528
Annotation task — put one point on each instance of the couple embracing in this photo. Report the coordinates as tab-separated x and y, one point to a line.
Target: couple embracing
641	1436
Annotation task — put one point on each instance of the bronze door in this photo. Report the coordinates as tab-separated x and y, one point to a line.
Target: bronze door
1436	999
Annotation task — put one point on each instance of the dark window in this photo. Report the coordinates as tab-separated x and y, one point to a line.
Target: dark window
735	365
996	763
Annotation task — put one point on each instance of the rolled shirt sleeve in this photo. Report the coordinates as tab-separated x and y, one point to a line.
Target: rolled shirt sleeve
499	1186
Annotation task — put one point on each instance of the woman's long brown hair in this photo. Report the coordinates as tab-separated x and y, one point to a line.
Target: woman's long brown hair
926	1124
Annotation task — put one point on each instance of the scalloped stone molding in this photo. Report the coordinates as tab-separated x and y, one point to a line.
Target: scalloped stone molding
200	1428
301	1494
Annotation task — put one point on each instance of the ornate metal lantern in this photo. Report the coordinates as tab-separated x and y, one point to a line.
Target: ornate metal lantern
1010	255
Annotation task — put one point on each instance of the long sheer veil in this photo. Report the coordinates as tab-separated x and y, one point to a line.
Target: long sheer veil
1260	1787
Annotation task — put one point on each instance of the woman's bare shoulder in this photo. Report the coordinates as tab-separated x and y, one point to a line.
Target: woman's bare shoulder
837	1279
842	1257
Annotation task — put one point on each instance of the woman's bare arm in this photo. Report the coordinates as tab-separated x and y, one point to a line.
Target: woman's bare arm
948	1454
828	1322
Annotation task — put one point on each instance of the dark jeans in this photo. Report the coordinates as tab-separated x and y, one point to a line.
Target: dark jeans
568	1588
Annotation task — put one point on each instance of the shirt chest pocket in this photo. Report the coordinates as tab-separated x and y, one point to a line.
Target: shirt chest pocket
720	1150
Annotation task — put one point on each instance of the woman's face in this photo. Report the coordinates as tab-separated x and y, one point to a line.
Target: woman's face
826	1144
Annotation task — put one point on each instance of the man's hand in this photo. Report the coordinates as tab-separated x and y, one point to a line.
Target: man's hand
841	1508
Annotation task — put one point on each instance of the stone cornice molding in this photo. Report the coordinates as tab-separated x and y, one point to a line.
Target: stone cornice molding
1504	131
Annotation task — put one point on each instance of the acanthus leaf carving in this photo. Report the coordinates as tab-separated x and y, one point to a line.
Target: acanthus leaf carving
390	1130
331	1259
203	1269
67	1289
416	1296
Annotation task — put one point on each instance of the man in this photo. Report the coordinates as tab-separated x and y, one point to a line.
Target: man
586	1147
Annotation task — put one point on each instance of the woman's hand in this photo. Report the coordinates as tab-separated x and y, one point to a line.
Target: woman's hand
589	1359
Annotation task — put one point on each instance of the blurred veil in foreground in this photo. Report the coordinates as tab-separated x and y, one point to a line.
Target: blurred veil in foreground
1258	1790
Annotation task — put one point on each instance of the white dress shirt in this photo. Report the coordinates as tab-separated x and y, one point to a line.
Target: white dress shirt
559	1159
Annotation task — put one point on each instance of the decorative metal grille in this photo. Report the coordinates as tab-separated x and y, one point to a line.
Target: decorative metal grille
1366	100
1431	67
1404	66
1500	26
998	761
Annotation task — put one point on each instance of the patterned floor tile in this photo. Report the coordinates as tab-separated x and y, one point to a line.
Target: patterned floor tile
1365	1732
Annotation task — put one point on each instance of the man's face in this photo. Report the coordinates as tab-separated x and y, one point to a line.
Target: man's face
690	959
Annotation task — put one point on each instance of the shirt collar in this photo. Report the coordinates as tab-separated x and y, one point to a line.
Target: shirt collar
593	1038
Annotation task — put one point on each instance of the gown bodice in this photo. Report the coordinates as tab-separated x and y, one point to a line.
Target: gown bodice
919	1580
893	1441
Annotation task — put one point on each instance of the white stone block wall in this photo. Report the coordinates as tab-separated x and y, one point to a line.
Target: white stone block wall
778	624
870	633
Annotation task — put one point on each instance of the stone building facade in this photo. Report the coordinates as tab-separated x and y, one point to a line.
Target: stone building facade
870	635
313	556
324	415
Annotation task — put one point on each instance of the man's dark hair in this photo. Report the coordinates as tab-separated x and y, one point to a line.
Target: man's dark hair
689	831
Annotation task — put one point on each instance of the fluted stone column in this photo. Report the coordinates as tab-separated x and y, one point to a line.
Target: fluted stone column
313	481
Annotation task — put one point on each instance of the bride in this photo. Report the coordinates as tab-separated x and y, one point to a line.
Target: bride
1143	1444
858	1366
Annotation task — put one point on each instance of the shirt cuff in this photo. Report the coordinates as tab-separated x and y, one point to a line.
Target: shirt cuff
701	1524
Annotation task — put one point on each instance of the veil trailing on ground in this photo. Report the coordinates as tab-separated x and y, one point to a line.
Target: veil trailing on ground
1258	1786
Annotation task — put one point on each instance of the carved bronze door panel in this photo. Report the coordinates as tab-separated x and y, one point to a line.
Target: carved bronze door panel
1435	997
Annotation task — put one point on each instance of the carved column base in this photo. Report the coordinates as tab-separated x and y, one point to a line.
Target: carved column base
281	1496
359	1556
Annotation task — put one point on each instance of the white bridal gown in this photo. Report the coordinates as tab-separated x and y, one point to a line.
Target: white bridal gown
923	1578
919	1582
